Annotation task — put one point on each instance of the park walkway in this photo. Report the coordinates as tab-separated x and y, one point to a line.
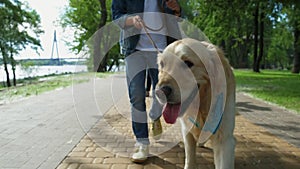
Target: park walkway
49	131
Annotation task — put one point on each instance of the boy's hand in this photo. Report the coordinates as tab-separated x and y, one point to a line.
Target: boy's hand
135	21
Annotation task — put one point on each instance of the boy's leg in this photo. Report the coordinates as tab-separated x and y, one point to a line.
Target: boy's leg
135	74
156	107
148	84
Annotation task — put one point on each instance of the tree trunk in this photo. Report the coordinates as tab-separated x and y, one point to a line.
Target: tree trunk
96	52
296	66
102	67
13	67
14	76
255	37
103	18
261	42
111	66
5	67
99	60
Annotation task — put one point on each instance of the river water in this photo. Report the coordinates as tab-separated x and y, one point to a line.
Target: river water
41	71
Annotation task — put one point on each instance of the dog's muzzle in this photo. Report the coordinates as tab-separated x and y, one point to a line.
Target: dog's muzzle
163	93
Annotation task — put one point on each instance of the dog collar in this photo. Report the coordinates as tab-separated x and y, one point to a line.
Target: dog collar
214	119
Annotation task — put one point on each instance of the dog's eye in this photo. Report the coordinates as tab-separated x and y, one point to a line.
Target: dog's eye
188	63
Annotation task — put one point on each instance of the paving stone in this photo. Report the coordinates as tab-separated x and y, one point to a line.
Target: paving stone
135	166
102	154
117	161
119	166
90	149
77	154
78	160
95	166
79	148
98	160
73	166
63	166
153	166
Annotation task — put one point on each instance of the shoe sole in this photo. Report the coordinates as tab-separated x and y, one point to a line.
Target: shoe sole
139	161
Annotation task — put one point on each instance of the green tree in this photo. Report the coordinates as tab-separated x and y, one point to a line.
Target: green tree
247	30
265	11
250	32
294	15
86	18
281	43
226	23
20	28
291	10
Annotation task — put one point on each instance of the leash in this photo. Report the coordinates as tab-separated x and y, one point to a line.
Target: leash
145	27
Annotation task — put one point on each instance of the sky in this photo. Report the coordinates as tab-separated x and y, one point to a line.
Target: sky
49	12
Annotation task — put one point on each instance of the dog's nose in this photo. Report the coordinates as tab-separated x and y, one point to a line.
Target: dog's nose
167	90
163	93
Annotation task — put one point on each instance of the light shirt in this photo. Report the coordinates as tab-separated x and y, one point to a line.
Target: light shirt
153	18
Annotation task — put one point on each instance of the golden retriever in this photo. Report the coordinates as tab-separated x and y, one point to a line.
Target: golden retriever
186	89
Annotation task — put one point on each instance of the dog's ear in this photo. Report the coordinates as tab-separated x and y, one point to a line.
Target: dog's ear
159	60
203	77
202	82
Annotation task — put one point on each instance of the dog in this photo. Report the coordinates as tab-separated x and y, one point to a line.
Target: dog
185	88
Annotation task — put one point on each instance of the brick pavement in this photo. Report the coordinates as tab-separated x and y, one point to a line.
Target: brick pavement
277	120
109	144
43	132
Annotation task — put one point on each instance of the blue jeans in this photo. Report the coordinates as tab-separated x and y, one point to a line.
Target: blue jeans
136	65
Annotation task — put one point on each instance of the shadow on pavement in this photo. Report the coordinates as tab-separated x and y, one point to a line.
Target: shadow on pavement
250	107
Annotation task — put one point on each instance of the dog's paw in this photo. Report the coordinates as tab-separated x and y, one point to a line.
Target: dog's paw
190	167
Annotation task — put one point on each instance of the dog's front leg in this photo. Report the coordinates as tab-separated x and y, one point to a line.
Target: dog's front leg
190	151
224	153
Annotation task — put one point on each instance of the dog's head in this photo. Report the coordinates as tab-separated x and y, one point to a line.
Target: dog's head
181	75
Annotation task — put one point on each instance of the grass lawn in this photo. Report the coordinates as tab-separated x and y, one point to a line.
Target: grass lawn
279	87
38	85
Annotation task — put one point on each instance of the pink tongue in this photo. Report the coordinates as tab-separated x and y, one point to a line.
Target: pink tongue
171	112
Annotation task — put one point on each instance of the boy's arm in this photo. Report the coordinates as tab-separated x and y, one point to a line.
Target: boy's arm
174	6
120	16
119	13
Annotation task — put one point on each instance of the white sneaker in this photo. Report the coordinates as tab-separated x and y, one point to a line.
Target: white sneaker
141	153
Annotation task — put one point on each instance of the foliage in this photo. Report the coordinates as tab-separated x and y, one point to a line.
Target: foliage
279	87
20	27
230	24
281	46
82	16
86	18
